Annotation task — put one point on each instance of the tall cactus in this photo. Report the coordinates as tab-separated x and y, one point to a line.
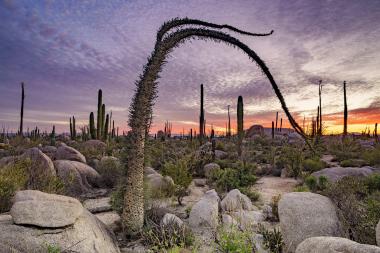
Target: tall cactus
276	121
345	110
71	129
74	129
240	117
105	131
99	116
92	126
52	137
102	123
229	122
22	110
201	117
320	108
272	129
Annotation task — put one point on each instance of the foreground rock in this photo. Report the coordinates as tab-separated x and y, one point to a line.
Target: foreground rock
65	152
41	163
157	183
45	210
86	234
171	218
77	177
303	215
324	244
209	168
235	201
50	151
336	173
111	219
98	205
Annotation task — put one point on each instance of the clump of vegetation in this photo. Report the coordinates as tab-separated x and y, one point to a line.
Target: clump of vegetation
312	165
111	170
273	240
160	237
232	239
179	172
274	206
353	163
250	193
18	175
358	202
293	158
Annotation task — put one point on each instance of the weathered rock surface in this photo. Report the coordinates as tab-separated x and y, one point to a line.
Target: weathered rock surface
204	214
336	173
86	235
248	220
95	144
111	219
50	151
45	210
41	163
220	154
324	244
200	182
77	177
303	215
235	201
157	182
65	152
98	205
149	171
171	218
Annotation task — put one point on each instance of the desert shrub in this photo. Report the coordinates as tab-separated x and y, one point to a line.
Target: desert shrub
273	240
357	207
274	206
311	182
345	149
12	178
219	146
111	170
312	165
234	178
160	238
293	158
322	182
180	173
373	182
51	248
353	163
372	156
301	188
250	193
232	239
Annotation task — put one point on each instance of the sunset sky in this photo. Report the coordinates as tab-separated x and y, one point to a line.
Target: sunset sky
65	51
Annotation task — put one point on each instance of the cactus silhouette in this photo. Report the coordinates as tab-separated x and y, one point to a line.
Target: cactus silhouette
22	110
99	115
201	117
105	131
345	110
92	126
240	122
145	94
52	137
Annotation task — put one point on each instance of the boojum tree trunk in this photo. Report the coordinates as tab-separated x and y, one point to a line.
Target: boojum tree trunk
143	101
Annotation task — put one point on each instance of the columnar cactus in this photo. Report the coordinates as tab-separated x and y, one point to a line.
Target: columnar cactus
276	121
102	126
92	126
201	117
22	110
71	129
229	122
52	137
105	131
272	129
99	116
74	130
320	108
345	110
240	123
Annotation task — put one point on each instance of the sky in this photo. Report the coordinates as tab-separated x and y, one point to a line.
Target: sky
64	51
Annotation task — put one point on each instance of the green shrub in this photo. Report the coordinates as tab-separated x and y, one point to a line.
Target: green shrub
313	165
357	207
111	170
322	182
233	240
293	158
311	182
273	240
219	145
250	193
180	173
160	238
301	188
274	206
372	156
353	163
12	178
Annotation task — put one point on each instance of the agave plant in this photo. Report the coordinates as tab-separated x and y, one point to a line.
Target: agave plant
169	38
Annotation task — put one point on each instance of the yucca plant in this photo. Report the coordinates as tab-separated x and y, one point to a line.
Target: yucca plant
145	94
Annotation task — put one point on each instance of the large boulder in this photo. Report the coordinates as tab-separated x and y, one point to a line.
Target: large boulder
50	151
303	215
248	220
255	130
41	163
77	177
220	154
204	213
86	234
65	152
171	218
334	174
98	205
45	210
157	183
95	144
325	244
235	201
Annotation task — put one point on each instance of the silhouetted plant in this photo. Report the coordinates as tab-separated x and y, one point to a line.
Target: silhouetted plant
202	118
99	115
143	101
92	126
345	110
240	123
22	110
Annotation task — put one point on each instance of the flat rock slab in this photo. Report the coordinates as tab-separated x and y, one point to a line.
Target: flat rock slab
336	173
45	210
98	205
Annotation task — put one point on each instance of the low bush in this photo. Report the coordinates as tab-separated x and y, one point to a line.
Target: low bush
372	156
160	238
357	201
311	183
313	165
273	240
274	206
292	158
250	193
111	170
232	239
353	163
301	188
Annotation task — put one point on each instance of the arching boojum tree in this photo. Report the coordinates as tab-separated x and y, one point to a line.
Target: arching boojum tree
145	94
